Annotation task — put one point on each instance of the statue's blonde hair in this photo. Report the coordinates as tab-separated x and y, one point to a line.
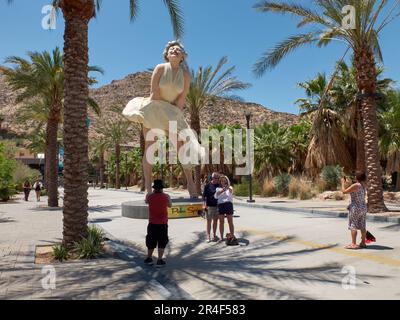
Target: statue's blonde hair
172	44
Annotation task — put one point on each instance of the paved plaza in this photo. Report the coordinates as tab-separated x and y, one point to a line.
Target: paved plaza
283	255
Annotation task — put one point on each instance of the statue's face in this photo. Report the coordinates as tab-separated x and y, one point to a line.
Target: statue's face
175	53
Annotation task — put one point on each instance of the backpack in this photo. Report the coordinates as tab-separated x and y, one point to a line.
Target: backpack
231	240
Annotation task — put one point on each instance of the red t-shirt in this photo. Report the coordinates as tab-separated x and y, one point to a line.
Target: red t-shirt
158	208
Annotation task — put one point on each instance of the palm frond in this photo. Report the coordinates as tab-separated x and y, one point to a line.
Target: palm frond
271	59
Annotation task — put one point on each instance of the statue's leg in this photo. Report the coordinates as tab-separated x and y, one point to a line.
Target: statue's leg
187	170
147	167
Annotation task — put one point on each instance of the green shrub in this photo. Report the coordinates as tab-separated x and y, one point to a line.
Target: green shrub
7	167
43	192
331	176
281	184
22	173
91	246
243	189
6	193
60	252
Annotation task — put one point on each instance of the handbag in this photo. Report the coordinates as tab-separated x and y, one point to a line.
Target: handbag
370	237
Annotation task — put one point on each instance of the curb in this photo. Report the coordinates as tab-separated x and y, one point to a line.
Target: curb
338	214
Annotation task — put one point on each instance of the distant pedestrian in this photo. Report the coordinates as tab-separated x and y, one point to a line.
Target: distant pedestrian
357	210
38	189
157	229
27	189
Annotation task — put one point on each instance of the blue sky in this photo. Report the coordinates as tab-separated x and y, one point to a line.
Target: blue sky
213	28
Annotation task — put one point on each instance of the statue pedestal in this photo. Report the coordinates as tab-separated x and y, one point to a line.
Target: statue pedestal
181	208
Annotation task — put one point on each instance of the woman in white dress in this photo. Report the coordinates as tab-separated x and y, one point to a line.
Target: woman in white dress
170	84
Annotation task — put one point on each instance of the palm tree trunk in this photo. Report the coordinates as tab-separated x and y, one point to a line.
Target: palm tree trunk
360	161
117	166
77	14
195	125
366	81
52	157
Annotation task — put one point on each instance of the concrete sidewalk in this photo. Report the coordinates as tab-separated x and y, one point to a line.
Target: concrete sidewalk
25	225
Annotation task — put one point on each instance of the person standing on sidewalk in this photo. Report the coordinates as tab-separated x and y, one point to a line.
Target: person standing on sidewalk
27	189
224	195
210	206
157	230
357	210
38	189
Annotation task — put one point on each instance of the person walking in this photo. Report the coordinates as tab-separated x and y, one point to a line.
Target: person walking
38	189
357	210
210	206
157	229
27	189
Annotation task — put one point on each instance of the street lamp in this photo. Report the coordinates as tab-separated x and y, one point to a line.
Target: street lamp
248	136
126	171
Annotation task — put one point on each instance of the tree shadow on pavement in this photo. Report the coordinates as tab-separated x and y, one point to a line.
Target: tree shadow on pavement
194	270
255	272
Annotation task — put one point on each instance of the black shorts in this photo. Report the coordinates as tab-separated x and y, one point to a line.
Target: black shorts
225	208
157	235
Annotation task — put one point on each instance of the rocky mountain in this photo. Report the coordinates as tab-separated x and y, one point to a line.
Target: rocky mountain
119	92
222	111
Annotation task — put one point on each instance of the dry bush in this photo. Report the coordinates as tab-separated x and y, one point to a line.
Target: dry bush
268	189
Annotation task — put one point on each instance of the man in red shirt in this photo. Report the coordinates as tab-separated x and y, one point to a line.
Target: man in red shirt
157	230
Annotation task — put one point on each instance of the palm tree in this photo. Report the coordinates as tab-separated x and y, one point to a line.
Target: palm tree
207	84
389	143
271	150
115	131
363	40
77	15
344	95
299	140
41	81
327	134
42	78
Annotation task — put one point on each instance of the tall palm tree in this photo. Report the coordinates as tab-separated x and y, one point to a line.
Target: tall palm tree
207	84
344	95
77	15
370	20
41	85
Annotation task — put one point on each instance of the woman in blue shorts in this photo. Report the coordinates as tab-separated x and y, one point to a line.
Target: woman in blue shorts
224	195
